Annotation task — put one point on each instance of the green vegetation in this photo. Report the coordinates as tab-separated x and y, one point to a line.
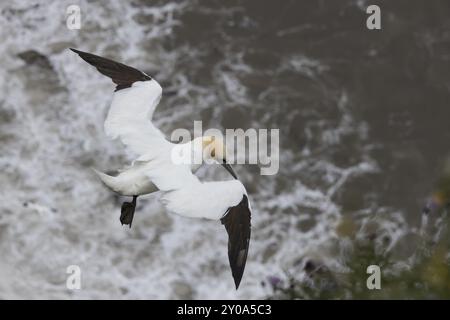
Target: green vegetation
423	275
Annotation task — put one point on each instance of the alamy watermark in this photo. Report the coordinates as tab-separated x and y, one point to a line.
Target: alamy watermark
374	280
252	146
374	20
73	17
73	281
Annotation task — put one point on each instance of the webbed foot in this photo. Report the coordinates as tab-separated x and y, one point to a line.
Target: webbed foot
127	212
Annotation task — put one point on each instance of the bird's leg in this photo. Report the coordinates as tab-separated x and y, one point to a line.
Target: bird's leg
127	212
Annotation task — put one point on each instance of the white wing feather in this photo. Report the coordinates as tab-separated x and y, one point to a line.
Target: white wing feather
129	119
209	200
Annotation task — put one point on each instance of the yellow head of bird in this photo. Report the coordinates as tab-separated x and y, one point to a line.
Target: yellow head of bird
214	148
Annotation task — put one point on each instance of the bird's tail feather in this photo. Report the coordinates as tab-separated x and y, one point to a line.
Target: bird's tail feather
110	181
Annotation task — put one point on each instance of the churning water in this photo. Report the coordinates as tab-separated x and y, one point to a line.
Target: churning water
363	118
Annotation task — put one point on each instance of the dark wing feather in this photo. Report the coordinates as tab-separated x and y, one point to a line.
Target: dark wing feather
237	224
122	75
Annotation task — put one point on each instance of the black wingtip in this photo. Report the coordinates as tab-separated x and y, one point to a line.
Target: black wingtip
76	51
237	277
84	55
122	75
237	222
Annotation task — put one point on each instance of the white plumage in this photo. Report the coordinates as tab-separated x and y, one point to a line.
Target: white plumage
129	118
205	205
156	167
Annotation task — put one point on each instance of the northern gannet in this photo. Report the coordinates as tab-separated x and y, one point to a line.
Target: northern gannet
129	119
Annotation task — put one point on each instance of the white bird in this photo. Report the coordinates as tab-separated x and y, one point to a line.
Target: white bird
129	119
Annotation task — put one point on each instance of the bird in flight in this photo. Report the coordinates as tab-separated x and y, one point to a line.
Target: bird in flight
154	169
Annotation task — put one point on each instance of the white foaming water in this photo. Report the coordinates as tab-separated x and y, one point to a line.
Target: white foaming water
55	212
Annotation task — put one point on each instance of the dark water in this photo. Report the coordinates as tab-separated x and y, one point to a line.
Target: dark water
395	82
364	135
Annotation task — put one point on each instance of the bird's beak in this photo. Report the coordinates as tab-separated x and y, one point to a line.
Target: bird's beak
229	169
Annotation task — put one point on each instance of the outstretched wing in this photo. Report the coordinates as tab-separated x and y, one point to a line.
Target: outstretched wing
122	75
238	226
226	201
132	107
